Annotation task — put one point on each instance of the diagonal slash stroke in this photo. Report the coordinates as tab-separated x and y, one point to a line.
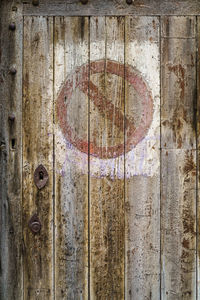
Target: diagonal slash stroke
104	105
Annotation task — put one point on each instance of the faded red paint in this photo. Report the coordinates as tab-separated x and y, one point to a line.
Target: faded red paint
80	79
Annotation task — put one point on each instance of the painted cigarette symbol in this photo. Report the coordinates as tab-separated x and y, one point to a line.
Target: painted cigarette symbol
80	79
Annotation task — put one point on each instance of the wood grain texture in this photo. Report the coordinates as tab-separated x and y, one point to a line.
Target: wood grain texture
11	271
198	84
178	164
142	190
198	158
71	217
178	216
38	149
100	236
178	83
112	7
107	193
198	224
178	27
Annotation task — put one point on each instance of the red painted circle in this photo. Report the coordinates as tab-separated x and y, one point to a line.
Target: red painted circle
80	79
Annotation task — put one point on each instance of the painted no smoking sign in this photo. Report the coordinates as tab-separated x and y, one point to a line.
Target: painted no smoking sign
137	123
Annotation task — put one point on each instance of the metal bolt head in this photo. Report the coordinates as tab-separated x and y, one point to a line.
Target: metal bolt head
35	227
129	1
11	117
34	224
35	2
13	71
84	1
12	26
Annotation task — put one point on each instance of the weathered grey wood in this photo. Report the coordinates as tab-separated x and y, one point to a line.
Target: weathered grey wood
198	222
106	188
198	157
112	7
142	163
11	272
178	83
178	164
71	204
114	229
178	216
38	149
178	27
198	84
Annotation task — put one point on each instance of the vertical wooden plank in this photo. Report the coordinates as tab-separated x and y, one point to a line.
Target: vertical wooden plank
71	58
11	274
198	156
106	90
178	209
178	136
38	149
178	83
142	161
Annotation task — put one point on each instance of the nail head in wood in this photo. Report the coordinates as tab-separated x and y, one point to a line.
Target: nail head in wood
35	2
11	117
84	1
12	26
13	71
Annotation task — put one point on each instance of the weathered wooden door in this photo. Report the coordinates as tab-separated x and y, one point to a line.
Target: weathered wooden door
99	150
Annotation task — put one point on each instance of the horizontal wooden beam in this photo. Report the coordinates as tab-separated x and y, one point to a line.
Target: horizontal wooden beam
111	7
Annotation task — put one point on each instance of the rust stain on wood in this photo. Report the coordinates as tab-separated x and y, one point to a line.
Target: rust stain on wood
107	239
107	222
178	181
11	48
71	199
107	195
37	149
179	71
142	192
178	84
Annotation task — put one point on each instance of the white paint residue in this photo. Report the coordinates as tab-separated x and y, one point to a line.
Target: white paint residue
144	158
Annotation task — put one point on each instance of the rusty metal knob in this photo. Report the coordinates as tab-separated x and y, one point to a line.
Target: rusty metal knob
34	224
